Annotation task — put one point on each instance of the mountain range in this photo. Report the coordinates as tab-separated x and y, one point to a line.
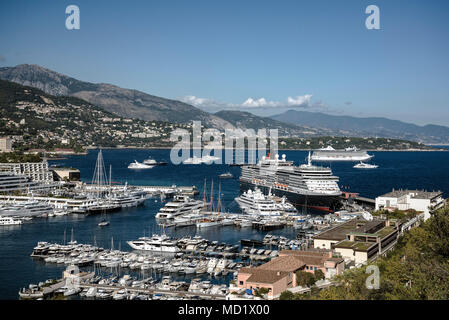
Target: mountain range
136	104
366	127
124	102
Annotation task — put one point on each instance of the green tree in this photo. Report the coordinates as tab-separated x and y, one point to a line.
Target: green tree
286	295
416	269
305	279
319	275
261	292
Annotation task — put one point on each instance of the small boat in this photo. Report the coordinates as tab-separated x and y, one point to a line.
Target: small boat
226	175
150	161
103	223
138	165
363	165
251	242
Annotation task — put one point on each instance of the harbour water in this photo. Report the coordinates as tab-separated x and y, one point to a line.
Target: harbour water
422	170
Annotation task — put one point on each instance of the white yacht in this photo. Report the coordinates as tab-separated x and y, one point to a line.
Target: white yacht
179	206
128	200
150	161
157	243
285	206
211	265
255	202
8	221
220	267
363	165
209	222
139	165
27	209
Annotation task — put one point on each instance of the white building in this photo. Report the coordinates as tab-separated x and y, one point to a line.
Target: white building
423	201
37	171
5	144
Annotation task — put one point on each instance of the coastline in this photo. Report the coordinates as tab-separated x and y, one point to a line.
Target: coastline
280	149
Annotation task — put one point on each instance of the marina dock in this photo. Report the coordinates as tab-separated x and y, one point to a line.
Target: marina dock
155	291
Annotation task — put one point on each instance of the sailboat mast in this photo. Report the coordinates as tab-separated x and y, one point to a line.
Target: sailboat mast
219	198
204	196
110	179
212	196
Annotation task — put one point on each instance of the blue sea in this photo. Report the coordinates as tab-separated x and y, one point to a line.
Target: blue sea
414	170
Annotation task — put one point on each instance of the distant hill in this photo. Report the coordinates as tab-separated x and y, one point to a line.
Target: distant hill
135	104
366	127
38	120
242	120
123	102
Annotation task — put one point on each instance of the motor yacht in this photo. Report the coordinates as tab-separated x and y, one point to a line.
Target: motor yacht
139	165
157	243
9	221
363	165
180	205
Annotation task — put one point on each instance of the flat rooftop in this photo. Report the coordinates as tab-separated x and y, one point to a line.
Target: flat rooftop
416	194
356	245
339	232
354	226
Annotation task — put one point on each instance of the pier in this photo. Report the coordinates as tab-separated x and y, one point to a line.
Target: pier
154	291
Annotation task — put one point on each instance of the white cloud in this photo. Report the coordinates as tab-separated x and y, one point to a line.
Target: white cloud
195	100
303	101
262	102
298	101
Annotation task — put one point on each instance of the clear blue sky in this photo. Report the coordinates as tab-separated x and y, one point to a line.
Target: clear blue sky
228	51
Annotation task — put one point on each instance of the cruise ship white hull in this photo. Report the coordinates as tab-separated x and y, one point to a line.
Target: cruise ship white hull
341	158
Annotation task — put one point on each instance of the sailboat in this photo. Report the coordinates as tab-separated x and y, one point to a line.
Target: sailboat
102	187
72	240
212	221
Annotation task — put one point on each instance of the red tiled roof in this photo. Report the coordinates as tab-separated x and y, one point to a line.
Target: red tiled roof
266	276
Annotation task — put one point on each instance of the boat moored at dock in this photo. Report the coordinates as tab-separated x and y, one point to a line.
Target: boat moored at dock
306	185
157	243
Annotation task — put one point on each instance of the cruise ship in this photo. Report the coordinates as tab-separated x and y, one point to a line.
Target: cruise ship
348	154
157	243
179	206
306	185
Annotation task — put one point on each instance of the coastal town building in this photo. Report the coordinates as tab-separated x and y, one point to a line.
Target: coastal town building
419	200
5	144
37	171
66	174
359	240
280	273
